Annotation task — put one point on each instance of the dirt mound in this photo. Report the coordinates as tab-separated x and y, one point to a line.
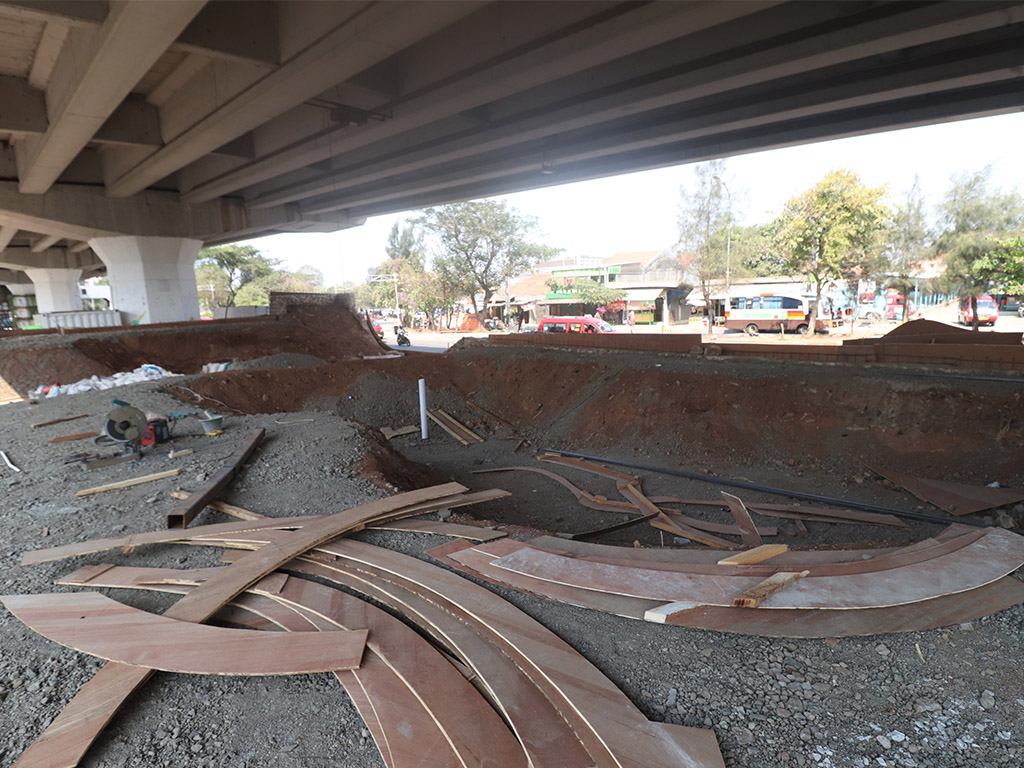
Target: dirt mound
326	331
738	413
280	360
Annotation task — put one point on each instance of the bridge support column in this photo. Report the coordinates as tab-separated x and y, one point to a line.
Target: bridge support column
152	279
56	289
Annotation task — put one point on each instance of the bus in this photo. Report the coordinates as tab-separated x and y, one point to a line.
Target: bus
772	312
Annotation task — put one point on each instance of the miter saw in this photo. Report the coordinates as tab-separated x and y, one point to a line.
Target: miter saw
134	429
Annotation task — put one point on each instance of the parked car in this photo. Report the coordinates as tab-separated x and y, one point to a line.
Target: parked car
988	311
574	325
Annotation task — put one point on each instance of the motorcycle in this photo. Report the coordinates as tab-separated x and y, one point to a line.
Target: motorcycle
403	336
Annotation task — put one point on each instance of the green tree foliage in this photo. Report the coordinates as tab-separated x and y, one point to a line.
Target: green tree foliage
591	293
973	218
486	241
827	232
231	267
705	223
909	240
305	279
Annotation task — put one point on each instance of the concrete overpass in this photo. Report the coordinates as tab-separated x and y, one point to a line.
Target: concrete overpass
132	133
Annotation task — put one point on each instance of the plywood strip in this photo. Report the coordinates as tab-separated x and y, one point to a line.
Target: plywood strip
186	512
128	483
94	624
132	541
748	531
69	438
454	427
602	504
755	555
943	611
58	421
69	736
995	555
818	563
774	583
662	521
606	721
437	527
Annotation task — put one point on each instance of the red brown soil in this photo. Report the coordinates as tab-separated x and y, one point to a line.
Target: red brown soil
391	471
752	413
330	332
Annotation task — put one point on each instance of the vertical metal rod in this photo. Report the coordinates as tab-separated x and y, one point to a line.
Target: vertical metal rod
423	409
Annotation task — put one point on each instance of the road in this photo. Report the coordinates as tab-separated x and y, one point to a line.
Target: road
423	341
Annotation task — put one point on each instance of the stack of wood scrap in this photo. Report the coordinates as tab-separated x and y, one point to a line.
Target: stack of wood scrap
955	577
533	700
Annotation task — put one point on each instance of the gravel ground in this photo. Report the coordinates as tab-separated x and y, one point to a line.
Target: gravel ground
937	699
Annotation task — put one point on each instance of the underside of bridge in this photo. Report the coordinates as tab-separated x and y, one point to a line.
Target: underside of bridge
192	122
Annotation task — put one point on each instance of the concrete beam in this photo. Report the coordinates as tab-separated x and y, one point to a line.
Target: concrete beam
486	77
80	213
7	233
43	243
52	258
54	34
13	277
212	33
327	57
796	98
90	80
767	62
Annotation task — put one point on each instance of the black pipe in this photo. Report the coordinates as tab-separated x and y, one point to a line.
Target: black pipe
783	492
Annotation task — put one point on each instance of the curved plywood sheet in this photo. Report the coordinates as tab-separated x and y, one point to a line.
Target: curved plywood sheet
94	624
797	623
69	736
983	561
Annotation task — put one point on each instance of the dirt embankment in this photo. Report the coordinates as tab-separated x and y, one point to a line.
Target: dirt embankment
728	413
331	332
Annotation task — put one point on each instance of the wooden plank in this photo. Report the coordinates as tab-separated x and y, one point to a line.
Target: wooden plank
94	624
69	438
220	506
192	535
948	610
58	421
954	498
755	555
417	677
545	737
447	428
986	559
390	433
613	731
437	527
128	483
71	733
662	521
185	513
748	531
611	728
777	581
588	466
605	505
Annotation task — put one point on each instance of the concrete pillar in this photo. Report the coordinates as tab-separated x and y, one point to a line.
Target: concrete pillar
56	289
21	289
152	279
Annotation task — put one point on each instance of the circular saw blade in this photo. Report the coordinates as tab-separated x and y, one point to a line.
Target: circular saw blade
125	424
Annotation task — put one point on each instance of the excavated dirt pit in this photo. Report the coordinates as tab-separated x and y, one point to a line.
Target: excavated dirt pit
805	427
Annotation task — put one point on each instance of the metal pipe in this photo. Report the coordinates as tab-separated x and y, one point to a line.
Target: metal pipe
783	492
423	409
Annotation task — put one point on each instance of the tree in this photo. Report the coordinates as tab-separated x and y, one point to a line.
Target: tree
705	212
973	218
590	293
487	241
231	267
910	237
829	230
305	279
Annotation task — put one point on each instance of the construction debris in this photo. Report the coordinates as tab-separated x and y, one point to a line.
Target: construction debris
58	421
128	483
7	461
955	498
454	427
69	438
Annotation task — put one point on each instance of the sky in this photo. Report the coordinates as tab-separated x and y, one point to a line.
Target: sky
637	212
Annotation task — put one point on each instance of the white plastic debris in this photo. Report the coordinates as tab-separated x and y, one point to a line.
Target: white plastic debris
8	462
147	372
